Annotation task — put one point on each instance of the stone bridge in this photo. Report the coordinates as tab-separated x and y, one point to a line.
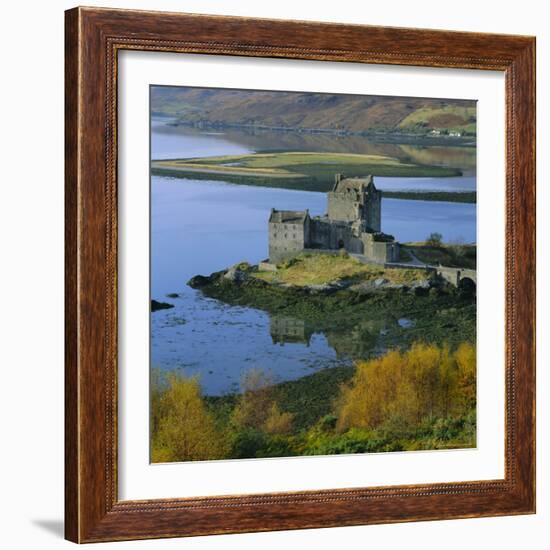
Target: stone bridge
455	275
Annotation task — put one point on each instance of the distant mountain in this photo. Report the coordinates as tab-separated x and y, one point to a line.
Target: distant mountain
314	111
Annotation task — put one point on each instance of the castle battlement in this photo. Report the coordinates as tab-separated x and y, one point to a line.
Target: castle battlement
353	223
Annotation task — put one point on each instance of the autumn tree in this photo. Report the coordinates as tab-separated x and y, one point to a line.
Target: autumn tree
277	422
256	398
183	427
465	357
423	383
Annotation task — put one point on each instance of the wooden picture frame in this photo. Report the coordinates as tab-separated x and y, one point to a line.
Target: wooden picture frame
93	511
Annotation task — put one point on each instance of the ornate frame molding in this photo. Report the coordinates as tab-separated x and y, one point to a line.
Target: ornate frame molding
93	38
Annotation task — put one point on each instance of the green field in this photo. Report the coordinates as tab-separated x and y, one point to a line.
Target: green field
448	117
294	170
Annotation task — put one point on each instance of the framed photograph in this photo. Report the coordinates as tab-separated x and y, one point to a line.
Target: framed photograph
300	275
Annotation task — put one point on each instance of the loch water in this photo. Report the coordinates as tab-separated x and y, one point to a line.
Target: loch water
201	226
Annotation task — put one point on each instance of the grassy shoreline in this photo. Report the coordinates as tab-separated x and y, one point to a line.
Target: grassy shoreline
468	197
293	170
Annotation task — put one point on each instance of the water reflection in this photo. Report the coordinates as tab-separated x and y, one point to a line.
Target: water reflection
288	330
352	340
241	141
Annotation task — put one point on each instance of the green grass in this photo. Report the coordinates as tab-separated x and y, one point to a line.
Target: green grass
294	170
448	117
318	269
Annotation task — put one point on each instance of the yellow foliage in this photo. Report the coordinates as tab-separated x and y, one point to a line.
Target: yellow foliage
465	357
253	407
278	422
309	269
184	430
426	381
257	407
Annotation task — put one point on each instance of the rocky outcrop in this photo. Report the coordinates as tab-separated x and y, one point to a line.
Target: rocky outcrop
236	274
157	306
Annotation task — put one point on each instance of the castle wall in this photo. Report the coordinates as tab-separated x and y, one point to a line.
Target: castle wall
353	206
343	208
380	252
287	239
333	236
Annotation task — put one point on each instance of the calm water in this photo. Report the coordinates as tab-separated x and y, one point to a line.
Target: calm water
204	226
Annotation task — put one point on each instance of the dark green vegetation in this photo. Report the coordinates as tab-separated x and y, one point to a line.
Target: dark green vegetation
298	170
356	317
156	306
442	196
450	255
315	112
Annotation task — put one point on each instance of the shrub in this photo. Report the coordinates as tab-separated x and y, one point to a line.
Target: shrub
246	443
253	407
434	239
278	422
353	441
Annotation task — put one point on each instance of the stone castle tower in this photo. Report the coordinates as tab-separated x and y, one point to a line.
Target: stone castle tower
356	200
352	223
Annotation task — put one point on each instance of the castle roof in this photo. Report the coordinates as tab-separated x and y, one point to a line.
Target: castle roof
353	184
288	216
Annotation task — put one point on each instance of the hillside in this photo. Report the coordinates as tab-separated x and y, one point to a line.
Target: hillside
314	111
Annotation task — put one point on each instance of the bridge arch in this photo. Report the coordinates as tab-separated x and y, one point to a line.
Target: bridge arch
455	275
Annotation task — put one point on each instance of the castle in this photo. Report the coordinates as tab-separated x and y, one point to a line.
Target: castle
352	223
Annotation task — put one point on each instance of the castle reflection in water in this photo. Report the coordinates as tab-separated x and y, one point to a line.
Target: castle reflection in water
359	342
288	330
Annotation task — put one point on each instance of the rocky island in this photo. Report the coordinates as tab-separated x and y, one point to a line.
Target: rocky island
359	306
338	272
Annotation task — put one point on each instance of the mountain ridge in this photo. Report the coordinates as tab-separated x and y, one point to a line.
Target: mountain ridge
314	111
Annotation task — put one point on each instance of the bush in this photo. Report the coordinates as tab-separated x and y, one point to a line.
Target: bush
253	407
353	441
251	443
434	239
278	422
246	443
